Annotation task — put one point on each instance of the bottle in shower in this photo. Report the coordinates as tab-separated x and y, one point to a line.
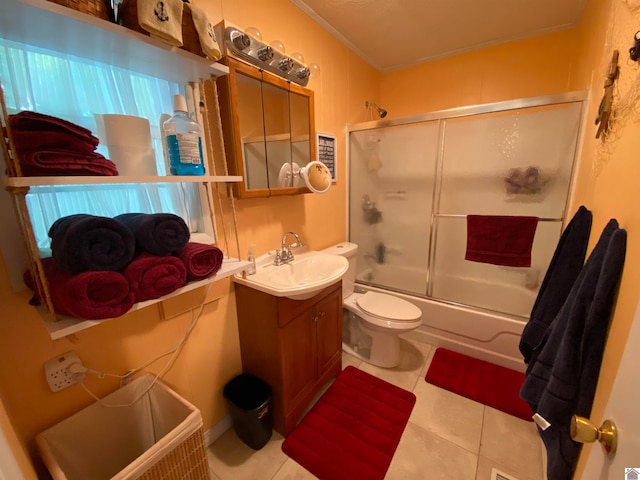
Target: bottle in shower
183	141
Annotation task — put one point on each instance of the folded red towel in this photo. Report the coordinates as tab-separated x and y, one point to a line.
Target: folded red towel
65	162
32	131
151	276
201	260
500	240
88	295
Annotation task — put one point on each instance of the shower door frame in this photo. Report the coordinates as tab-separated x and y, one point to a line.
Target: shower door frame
441	116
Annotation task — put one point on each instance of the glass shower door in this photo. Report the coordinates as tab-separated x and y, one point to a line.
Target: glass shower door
515	163
392	182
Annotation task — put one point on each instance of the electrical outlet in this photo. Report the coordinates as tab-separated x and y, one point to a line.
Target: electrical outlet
58	374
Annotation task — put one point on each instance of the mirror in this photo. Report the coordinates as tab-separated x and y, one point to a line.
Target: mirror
316	176
250	124
268	128
277	130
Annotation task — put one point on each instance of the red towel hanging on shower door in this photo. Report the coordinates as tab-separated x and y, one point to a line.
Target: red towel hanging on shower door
500	239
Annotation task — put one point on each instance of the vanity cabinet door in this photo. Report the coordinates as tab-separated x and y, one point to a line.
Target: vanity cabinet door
299	365
328	320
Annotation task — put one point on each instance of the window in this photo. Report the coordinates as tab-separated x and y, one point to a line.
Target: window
75	89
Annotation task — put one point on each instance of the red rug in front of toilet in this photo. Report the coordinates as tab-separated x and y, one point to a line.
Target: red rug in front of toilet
353	430
484	382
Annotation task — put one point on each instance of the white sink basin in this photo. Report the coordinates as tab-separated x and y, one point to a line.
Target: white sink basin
306	275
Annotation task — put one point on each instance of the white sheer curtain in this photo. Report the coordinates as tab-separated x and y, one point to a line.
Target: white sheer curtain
75	89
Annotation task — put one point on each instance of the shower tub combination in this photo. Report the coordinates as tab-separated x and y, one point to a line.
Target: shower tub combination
414	180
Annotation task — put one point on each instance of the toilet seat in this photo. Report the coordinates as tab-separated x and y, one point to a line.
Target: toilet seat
388	307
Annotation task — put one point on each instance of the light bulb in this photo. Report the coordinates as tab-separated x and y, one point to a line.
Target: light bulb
297	57
254	33
314	71
278	45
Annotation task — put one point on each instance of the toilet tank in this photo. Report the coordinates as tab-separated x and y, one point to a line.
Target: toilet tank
347	250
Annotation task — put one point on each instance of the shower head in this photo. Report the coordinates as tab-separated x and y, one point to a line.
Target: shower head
381	111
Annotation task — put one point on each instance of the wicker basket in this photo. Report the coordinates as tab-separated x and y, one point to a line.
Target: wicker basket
157	437
128	17
96	8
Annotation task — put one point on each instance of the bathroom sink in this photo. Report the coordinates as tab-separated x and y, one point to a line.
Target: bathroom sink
302	278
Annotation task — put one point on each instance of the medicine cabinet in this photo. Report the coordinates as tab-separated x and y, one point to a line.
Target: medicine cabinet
268	127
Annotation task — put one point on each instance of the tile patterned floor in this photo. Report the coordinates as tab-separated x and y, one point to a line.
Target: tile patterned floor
448	436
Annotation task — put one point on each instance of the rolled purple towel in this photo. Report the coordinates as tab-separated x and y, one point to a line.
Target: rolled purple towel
159	234
201	260
87	295
86	242
151	276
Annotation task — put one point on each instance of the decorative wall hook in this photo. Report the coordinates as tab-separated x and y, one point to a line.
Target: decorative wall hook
634	51
604	111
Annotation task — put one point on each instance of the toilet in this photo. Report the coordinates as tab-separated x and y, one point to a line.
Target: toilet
372	321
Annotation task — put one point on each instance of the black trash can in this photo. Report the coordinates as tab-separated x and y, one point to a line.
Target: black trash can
248	398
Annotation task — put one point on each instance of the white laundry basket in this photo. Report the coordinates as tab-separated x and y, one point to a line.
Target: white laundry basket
158	437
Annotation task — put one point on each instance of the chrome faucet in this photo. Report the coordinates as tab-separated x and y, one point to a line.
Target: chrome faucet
284	255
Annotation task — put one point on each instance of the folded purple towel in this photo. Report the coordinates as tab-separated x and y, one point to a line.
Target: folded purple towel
160	234
33	131
87	242
64	162
500	239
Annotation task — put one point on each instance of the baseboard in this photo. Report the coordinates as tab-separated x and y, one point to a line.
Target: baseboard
217	430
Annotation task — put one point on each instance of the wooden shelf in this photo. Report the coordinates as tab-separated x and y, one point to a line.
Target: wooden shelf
91	180
68	325
52	27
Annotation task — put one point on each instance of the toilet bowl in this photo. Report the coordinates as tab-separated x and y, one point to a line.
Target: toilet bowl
372	321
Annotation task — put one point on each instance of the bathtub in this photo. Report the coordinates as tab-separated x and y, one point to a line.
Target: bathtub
478	332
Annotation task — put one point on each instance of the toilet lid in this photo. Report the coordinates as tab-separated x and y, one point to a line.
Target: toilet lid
388	306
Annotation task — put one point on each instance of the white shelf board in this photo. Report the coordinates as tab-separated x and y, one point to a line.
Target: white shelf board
68	325
104	180
52	27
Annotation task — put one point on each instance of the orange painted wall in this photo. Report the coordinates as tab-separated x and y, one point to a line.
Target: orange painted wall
212	354
526	68
539	66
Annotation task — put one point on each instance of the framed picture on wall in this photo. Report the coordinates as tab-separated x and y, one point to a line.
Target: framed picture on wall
326	148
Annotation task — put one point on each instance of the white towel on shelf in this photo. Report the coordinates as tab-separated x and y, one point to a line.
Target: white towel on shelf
162	19
204	28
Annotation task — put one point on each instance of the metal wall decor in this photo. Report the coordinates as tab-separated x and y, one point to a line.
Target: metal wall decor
604	111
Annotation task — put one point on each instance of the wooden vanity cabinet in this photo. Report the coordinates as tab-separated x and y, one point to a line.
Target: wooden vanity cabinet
293	345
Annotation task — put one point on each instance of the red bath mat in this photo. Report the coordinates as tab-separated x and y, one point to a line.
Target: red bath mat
353	430
484	382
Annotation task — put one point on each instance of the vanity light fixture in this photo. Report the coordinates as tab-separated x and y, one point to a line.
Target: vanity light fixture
249	46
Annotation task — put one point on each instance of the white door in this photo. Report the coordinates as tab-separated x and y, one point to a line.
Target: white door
624	410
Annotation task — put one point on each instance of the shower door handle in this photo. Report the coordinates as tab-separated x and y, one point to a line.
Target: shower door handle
584	431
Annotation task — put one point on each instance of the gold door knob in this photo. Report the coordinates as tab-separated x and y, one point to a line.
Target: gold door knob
583	431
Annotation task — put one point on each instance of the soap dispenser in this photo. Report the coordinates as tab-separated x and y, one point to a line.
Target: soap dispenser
251	268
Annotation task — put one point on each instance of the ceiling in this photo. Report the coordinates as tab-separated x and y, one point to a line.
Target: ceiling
393	34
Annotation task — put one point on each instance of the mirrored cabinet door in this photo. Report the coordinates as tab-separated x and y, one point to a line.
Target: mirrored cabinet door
277	129
303	147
